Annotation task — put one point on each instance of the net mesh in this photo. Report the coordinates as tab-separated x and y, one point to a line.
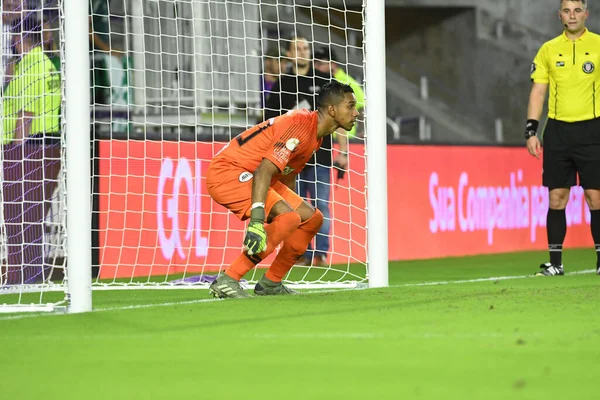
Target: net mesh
178	81
172	83
33	207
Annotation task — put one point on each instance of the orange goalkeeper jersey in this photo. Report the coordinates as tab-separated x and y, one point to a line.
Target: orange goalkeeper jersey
288	141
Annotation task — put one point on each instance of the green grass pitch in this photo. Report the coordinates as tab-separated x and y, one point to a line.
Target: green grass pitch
518	338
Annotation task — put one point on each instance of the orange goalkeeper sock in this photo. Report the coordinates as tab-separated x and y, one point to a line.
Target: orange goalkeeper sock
294	246
278	230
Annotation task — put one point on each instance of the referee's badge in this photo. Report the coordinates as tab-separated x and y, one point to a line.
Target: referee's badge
532	68
588	67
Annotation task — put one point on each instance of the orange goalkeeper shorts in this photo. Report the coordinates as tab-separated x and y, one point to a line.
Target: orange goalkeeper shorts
231	187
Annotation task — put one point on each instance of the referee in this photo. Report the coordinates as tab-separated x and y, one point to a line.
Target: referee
568	65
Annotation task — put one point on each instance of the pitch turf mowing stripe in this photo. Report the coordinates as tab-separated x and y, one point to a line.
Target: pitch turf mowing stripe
176	303
495	340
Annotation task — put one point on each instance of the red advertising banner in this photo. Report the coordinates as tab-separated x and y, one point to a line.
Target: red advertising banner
455	201
156	217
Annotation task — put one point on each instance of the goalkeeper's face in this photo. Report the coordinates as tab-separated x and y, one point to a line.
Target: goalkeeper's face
345	112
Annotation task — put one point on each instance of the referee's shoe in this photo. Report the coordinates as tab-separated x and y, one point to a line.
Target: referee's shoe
550	270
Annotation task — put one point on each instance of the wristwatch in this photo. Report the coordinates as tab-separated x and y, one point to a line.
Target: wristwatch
529	134
531	128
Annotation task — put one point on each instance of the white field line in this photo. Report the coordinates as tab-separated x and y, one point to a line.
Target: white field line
497	278
132	307
175	303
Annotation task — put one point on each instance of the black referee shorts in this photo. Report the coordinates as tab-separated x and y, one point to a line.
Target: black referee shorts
571	149
47	139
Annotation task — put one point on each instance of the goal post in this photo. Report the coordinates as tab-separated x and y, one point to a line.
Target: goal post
45	62
78	169
377	215
161	86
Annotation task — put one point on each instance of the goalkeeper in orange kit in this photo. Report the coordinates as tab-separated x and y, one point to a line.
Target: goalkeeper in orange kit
254	176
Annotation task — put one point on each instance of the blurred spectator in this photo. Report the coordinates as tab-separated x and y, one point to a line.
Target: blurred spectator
105	55
316	181
11	13
298	84
327	62
110	81
31	151
271	71
51	32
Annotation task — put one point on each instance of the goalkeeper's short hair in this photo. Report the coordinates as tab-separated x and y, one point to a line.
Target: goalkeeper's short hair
332	93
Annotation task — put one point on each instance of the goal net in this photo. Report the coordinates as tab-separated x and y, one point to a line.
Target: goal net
32	175
172	81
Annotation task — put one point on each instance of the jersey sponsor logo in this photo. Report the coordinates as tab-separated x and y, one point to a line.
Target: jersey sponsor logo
282	155
532	68
287	171
588	67
292	144
245	176
560	63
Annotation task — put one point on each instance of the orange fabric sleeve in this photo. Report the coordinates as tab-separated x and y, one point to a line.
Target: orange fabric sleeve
284	142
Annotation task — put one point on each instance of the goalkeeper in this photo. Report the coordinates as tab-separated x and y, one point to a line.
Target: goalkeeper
254	177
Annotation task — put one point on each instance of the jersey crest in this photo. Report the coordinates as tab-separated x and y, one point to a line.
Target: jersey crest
292	144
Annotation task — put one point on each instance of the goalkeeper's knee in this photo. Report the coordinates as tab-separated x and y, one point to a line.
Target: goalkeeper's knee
313	224
306	231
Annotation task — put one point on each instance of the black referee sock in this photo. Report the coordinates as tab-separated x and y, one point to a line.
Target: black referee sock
556	228
596	233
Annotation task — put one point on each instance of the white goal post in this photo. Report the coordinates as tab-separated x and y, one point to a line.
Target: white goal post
78	169
160	86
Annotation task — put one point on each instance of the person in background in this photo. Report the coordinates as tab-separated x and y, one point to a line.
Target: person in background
11	13
272	68
298	88
317	181
567	68
50	32
298	84
327	62
105	56
32	153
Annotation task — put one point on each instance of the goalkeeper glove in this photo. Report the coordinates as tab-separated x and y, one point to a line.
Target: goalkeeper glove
256	237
